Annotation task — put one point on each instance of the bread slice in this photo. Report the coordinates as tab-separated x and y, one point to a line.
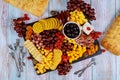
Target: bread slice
111	41
35	7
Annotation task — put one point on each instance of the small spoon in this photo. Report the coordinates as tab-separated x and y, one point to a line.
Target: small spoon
94	63
92	60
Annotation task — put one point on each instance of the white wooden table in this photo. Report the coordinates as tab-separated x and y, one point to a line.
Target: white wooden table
108	65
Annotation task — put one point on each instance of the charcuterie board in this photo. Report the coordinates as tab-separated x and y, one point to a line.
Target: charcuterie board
57	42
83	57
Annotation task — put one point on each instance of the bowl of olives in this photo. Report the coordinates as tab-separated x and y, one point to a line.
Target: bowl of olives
71	30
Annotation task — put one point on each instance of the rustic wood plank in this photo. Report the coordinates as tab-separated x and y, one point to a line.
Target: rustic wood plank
107	64
105	13
118	58
57	5
117	7
4	67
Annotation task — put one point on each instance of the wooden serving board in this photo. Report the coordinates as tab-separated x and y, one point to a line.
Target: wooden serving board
80	59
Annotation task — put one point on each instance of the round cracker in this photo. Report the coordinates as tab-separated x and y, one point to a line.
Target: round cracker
44	23
37	27
49	24
58	23
52	23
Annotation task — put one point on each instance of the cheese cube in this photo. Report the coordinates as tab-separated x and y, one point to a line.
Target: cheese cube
88	28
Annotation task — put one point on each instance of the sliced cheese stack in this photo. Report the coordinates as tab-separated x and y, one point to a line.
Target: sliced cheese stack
33	50
46	24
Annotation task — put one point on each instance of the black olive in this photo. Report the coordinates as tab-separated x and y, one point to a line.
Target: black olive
68	30
71	30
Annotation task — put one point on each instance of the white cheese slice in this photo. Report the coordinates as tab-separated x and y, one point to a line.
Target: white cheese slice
88	28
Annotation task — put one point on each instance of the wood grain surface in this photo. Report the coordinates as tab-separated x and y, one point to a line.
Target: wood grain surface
107	67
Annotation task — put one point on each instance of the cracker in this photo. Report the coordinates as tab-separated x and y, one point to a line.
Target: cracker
56	59
37	27
33	50
35	7
111	39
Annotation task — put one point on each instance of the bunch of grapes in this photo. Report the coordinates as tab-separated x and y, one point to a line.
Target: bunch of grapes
19	26
64	68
